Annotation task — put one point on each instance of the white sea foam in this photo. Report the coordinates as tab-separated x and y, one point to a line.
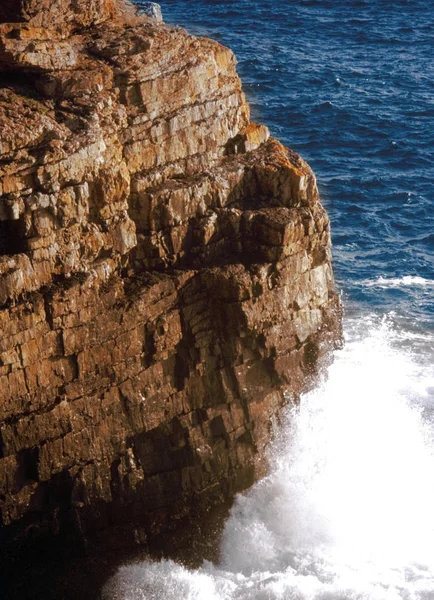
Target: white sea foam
347	511
396	282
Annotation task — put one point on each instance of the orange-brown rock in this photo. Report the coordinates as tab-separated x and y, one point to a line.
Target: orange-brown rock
65	14
165	275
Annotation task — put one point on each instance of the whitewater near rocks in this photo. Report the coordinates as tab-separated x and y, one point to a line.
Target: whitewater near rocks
346	512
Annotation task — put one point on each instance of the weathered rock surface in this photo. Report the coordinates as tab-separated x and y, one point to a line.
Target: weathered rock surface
165	275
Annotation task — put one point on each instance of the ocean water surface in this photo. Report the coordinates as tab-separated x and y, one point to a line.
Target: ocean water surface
346	512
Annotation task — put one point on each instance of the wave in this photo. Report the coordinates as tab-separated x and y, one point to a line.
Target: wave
397	282
346	512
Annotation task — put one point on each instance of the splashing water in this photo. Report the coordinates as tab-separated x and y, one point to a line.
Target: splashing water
347	510
396	282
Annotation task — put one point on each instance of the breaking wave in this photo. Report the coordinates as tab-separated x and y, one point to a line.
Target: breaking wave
346	512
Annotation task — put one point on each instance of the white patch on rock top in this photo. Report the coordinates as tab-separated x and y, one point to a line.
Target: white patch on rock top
151	9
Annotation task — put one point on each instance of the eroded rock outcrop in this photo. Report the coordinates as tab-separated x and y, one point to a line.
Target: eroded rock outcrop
165	274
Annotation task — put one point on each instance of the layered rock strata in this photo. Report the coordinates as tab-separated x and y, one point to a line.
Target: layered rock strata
165	275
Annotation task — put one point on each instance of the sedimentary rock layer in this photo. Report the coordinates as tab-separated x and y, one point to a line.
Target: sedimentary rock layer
165	275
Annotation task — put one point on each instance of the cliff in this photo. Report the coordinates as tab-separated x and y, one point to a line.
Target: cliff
165	276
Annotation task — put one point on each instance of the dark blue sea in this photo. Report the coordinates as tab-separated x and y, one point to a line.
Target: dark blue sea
346	512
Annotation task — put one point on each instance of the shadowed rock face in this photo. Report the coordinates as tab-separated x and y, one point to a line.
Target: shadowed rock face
165	276
56	13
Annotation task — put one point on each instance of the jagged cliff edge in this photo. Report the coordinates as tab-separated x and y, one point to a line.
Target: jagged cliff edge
165	275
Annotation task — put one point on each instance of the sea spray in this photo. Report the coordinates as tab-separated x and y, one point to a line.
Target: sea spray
346	512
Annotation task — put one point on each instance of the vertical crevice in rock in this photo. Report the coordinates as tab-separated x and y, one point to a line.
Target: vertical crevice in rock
11	238
27	460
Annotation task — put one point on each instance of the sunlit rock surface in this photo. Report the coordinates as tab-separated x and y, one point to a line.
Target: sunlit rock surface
165	276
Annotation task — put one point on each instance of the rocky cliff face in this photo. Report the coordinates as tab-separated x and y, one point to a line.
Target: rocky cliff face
165	275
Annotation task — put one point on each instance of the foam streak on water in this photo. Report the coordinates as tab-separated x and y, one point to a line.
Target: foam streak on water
347	510
406	280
